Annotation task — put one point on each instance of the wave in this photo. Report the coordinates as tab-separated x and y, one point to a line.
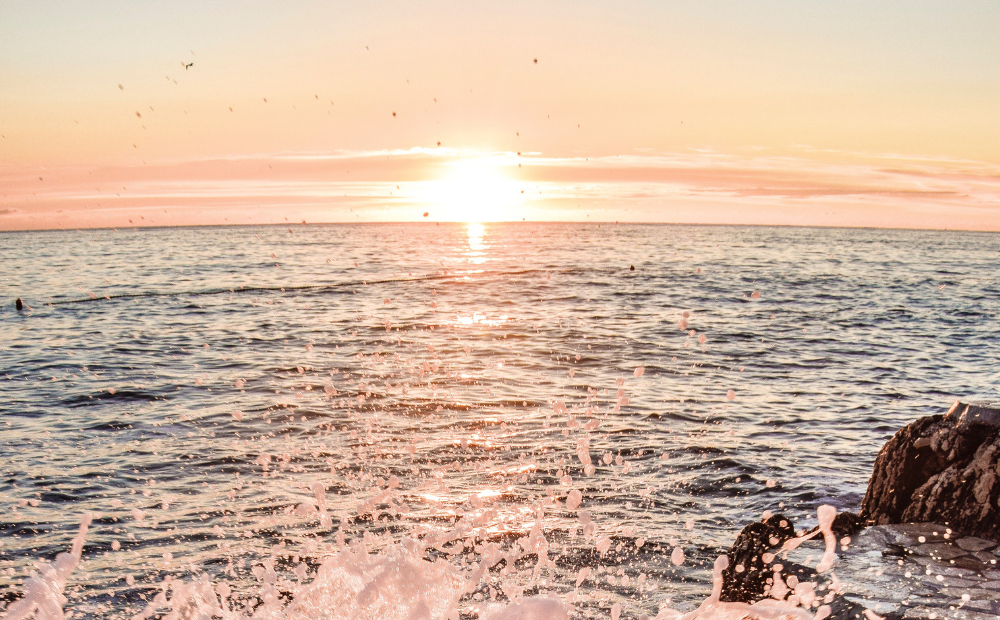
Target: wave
308	287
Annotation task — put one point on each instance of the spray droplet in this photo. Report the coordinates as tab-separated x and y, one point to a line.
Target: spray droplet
677	556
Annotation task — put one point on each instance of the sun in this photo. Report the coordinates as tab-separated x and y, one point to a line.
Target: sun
474	190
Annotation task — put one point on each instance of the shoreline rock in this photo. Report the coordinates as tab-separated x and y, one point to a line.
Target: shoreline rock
746	577
942	469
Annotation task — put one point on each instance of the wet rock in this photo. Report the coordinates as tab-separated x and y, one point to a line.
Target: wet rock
983	556
927	570
913	576
971	562
941	468
845	524
971	543
939	551
746	577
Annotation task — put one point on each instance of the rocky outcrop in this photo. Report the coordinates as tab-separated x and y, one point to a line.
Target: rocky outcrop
941	469
749	577
944	469
745	579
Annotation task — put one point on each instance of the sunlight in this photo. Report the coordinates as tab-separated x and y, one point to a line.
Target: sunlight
474	190
476	231
477	245
480	319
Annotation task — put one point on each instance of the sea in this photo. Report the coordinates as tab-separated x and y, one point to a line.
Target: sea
484	420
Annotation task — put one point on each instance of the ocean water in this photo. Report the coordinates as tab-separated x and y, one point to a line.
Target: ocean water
423	421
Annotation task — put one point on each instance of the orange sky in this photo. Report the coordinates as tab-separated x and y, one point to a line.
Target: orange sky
813	113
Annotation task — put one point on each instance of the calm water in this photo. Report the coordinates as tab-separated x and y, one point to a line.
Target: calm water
449	384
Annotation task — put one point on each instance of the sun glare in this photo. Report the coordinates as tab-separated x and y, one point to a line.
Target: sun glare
474	190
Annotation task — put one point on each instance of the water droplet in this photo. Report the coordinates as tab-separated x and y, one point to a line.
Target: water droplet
677	556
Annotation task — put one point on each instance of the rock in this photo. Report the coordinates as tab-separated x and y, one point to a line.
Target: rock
941	468
939	551
911	532
984	557
968	614
957	583
971	543
846	524
970	562
747	585
970	414
876	537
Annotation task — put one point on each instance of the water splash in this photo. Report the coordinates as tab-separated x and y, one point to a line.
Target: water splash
43	591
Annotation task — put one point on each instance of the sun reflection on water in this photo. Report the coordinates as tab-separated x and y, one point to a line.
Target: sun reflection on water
477	247
480	319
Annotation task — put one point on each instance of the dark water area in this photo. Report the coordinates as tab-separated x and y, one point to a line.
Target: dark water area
454	382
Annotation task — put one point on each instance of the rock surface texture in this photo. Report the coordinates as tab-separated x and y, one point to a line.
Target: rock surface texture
943	469
746	577
919	570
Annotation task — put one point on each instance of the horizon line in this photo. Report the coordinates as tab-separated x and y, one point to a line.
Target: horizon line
483	223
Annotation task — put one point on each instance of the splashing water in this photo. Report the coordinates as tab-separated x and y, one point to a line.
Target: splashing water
43	592
402	584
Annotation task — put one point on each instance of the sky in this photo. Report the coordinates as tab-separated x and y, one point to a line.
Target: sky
832	113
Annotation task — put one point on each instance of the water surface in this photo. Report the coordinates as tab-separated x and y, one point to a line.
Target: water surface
457	378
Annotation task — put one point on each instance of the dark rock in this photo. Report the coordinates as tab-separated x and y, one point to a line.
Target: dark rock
749	585
844	524
756	539
944	469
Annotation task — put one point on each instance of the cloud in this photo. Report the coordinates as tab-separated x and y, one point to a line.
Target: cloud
825	188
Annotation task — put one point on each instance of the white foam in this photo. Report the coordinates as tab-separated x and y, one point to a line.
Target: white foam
43	590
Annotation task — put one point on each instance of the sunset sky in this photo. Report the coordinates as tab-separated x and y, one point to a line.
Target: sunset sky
761	112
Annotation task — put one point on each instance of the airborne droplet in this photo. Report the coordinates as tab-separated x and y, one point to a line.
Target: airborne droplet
677	556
